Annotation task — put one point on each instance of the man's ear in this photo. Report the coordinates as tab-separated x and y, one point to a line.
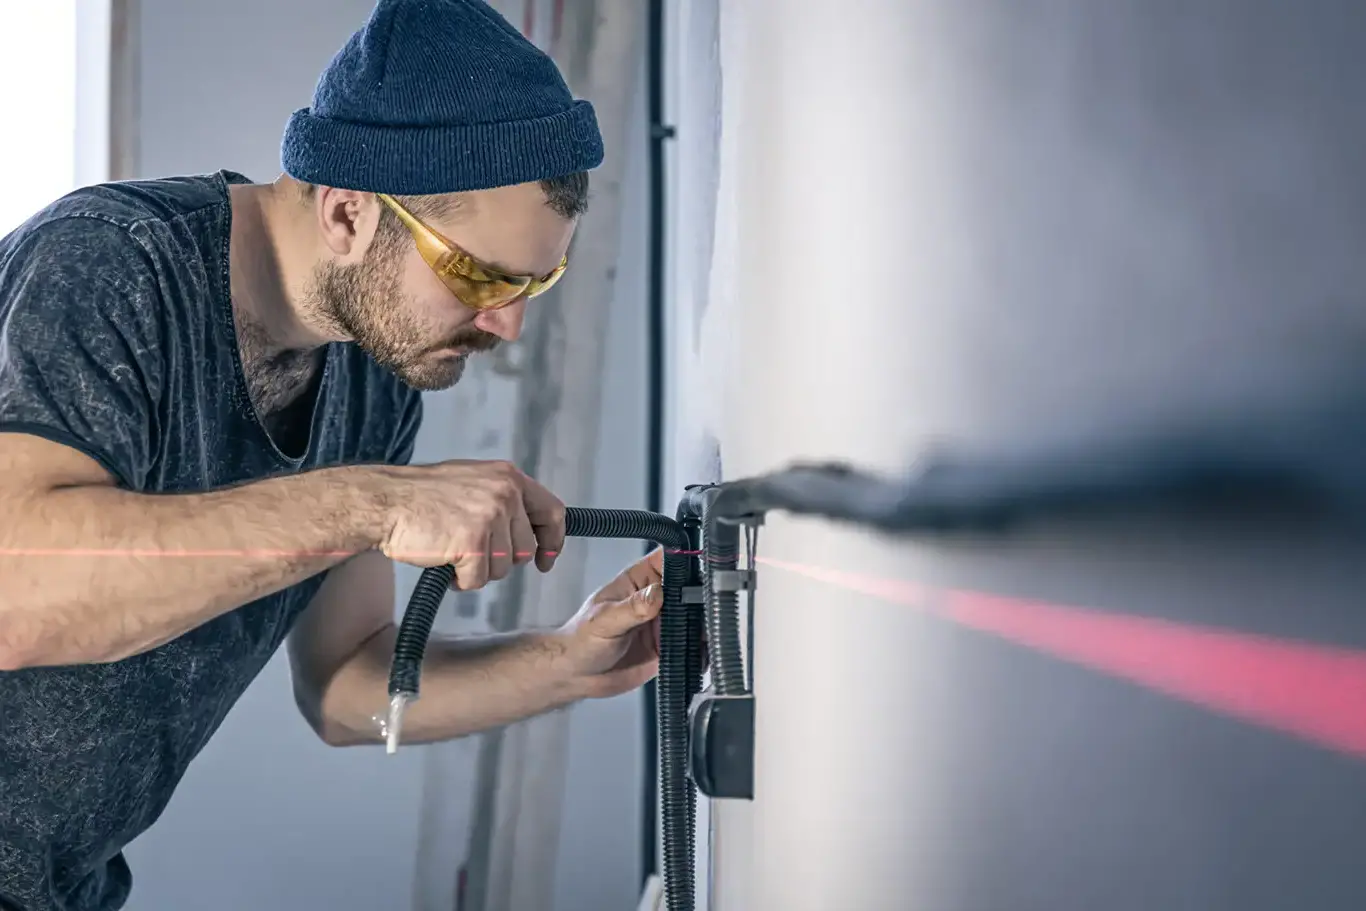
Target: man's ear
347	220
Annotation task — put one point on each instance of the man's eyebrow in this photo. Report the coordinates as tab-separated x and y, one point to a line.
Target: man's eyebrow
499	267
474	259
506	270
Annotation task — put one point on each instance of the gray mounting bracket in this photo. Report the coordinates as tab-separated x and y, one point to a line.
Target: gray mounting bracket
721	745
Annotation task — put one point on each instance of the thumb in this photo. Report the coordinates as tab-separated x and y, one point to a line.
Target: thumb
620	617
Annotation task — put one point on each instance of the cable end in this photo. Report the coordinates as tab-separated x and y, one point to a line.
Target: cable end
393	725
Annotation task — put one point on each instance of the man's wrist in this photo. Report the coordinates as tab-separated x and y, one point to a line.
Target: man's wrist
372	496
551	649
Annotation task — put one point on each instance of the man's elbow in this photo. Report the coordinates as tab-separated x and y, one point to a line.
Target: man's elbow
22	656
336	735
22	646
330	730
15	657
29	638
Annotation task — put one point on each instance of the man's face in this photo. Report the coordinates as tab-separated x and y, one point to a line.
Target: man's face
393	306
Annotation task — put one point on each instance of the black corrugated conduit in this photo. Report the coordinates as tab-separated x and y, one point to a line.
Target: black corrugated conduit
680	670
659	134
720	557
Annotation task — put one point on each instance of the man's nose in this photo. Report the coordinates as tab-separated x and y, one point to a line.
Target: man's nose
505	322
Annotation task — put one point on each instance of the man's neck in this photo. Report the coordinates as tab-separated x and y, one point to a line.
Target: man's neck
269	266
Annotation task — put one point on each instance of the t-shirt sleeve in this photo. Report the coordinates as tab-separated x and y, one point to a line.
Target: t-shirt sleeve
81	358
410	421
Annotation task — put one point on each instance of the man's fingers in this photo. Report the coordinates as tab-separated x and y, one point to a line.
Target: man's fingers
500	551
546	515
472	568
627	679
549	542
523	539
620	617
648	570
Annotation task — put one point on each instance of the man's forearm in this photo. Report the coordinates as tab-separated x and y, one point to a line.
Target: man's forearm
91	574
469	684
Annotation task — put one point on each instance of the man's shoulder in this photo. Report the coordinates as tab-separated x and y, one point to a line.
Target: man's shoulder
116	247
120	215
128	203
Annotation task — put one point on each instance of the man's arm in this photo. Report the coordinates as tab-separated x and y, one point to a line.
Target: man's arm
94	569
341	649
93	573
91	569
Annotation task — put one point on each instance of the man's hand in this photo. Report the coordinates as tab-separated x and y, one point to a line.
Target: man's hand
483	517
611	646
342	647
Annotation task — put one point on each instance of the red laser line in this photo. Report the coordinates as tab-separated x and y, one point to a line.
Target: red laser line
1316	693
127	552
123	552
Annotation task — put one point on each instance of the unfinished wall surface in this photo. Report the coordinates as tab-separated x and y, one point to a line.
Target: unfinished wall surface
704	107
267	816
693	107
1006	226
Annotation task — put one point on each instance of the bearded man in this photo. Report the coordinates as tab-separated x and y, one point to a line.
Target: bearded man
209	394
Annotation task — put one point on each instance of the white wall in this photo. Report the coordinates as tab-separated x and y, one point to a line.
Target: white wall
998	226
38	50
268	817
701	285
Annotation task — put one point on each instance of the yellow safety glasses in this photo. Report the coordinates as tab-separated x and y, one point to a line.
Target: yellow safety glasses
474	284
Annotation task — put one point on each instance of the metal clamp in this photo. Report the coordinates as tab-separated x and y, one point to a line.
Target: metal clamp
733	580
693	594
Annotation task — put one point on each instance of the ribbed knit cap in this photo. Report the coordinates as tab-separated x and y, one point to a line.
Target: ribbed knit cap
439	96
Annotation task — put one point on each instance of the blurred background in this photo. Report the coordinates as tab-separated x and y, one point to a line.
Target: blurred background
269	817
850	232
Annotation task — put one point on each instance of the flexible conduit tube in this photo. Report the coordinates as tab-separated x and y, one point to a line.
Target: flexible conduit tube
720	553
680	661
655	314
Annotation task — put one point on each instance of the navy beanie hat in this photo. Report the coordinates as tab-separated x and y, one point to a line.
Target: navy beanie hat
439	96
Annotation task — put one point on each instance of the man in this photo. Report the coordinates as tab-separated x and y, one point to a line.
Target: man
209	392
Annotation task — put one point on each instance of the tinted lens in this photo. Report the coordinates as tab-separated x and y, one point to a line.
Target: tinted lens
542	285
483	295
476	286
490	295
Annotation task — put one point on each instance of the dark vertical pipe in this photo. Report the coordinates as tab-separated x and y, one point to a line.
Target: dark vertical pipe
660	133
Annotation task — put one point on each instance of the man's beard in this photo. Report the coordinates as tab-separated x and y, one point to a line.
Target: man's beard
366	302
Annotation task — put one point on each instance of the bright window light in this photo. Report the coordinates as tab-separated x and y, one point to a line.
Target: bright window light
38	73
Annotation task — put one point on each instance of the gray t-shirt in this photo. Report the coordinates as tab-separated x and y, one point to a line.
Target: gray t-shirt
117	339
